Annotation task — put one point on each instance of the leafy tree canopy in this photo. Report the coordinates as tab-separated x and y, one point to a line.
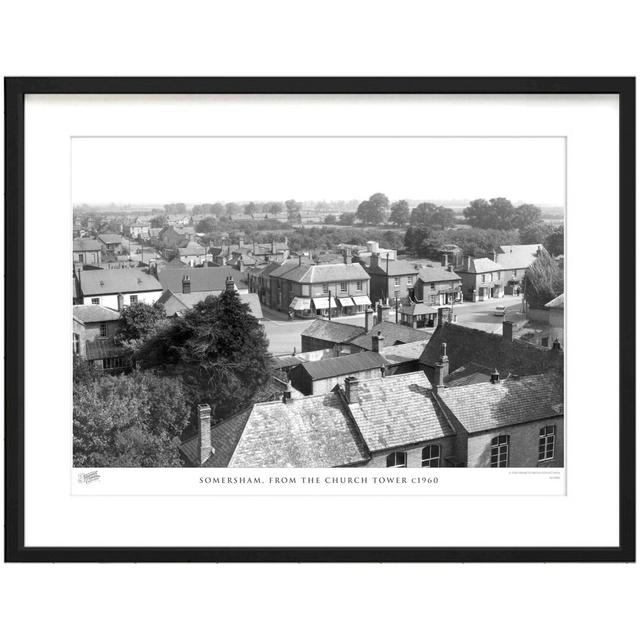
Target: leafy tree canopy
428	214
330	219
499	213
543	281
293	210
399	213
218	348
373	211
138	321
232	209
347	218
129	421
250	209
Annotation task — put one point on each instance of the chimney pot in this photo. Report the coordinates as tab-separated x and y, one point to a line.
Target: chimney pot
286	396
377	342
495	377
204	431
351	389
368	319
229	285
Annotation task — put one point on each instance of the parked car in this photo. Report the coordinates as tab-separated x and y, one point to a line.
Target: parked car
500	311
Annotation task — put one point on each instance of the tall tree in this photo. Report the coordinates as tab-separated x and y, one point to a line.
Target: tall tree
432	215
543	281
232	209
218	348
250	209
527	215
293	210
554	242
374	210
208	225
138	321
347	218
217	209
498	213
399	213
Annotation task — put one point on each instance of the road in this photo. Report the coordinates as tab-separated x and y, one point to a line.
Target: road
284	334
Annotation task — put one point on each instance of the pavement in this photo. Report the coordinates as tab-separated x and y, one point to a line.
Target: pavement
285	334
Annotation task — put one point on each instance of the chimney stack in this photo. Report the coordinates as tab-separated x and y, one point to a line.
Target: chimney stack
468	263
444	361
438	377
240	264
377	342
445	259
383	312
374	261
204	432
186	284
351	389
556	345
120	302
286	396
345	256
495	377
507	331
368	319
229	285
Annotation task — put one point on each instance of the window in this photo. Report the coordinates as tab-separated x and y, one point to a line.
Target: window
431	456
103	329
409	279
397	459
343	286
546	443
500	451
76	343
484	279
80	257
396	282
114	363
325	287
95	300
499	276
432	285
515	273
133	299
358	285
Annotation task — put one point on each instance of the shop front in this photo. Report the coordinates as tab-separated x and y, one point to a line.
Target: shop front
300	308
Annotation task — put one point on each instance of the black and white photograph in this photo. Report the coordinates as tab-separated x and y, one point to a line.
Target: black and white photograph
318	302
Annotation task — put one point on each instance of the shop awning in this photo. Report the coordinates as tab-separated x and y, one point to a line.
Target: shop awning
346	302
300	304
361	300
321	303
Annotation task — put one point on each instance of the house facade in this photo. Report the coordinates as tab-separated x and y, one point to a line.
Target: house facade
391	279
436	286
305	290
116	288
87	251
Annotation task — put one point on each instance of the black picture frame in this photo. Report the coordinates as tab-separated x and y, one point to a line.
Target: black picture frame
15	91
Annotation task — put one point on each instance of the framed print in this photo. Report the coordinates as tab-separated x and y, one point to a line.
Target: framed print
320	319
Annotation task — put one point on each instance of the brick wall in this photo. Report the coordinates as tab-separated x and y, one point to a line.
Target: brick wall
414	454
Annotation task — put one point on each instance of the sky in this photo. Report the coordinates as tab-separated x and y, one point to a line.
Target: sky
210	169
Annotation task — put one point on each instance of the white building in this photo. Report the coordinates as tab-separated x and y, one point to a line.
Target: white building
118	287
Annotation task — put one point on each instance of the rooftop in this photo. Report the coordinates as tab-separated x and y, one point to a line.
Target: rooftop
312	273
394	267
177	302
85	313
86	244
437	274
392	333
337	332
343	365
110	238
209	279
397	411
556	303
484	406
114	281
408	352
480	265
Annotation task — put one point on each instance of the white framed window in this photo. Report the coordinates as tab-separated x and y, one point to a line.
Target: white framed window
325	287
484	279
103	329
343	286
397	459
133	299
76	343
409	279
515	273
432	285
431	456
500	451
358	285
546	443
396	281
95	300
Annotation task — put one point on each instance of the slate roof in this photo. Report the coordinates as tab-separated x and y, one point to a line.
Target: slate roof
396	267
110	238
470	373
312	273
480	265
437	274
515	260
176	263
531	249
86	244
113	281
85	313
418	309
336	332
175	302
312	431
192	249
343	365
556	303
391	332
465	345
202	278
404	352
484	406
397	411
